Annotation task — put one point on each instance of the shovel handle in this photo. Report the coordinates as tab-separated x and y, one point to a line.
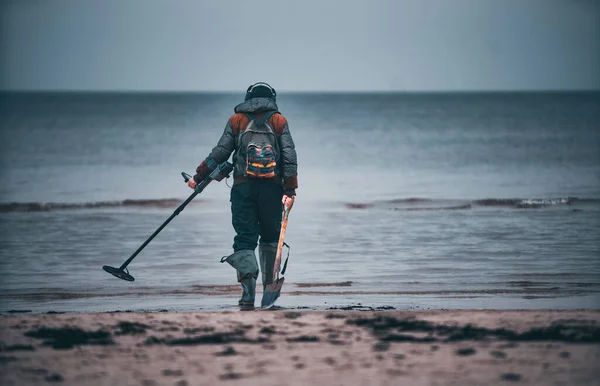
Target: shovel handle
287	207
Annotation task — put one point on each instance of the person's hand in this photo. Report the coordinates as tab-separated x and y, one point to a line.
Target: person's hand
192	183
288	201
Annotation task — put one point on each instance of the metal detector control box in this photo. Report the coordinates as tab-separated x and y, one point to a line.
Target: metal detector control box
222	171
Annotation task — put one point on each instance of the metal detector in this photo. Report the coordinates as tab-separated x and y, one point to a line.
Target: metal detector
222	171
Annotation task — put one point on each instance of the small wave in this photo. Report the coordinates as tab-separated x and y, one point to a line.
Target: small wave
351	205
49	206
411	200
455	207
540	203
497	202
424	204
412	205
535	202
524	203
312	285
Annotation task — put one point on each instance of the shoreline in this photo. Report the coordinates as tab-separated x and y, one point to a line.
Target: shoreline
297	347
318	303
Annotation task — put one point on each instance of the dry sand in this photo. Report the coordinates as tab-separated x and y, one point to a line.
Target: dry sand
302	348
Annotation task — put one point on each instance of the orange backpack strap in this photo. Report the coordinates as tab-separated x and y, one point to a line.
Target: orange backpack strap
238	122
278	122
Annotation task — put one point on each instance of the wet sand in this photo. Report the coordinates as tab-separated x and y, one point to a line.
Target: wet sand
285	347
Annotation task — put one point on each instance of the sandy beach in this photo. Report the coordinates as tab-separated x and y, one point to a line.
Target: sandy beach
285	347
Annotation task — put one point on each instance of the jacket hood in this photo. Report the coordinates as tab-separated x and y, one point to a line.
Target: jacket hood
256	105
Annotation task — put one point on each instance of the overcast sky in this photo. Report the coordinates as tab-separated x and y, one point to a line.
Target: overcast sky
417	45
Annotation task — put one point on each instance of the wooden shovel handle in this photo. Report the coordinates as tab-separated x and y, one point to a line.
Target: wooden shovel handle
287	207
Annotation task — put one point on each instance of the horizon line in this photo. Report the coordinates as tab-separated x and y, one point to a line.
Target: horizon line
157	91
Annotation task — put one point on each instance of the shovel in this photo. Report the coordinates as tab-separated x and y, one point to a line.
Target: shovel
273	290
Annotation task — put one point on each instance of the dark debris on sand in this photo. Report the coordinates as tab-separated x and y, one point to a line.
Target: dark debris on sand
304	338
565	354
237	336
131	328
192	331
335	316
231	375
381	346
18	347
268	330
34	371
54	378
466	351
172	373
229	351
69	337
408	338
386	328
498	354
6	359
511	377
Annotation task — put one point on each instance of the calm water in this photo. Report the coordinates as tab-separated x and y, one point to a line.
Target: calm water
410	201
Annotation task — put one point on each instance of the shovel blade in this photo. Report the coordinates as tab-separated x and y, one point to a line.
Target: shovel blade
271	293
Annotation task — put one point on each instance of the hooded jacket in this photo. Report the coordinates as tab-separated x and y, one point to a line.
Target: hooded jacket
228	143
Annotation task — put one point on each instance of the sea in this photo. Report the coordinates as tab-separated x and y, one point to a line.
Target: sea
406	200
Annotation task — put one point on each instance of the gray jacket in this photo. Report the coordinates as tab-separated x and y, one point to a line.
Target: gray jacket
229	142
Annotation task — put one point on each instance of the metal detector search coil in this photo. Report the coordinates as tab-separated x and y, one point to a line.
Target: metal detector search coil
117	272
222	171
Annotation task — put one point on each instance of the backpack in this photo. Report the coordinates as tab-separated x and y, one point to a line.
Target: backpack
259	146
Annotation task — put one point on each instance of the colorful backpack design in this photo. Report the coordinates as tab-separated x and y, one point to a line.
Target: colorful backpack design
259	146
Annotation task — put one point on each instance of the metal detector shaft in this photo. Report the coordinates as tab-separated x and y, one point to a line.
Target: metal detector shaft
222	171
164	224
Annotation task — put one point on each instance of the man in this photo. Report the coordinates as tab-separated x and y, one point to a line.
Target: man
265	173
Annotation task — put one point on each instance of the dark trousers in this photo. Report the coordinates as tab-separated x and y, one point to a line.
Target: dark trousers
256	211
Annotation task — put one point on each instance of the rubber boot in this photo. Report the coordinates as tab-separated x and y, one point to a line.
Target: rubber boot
266	254
246	303
244	262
